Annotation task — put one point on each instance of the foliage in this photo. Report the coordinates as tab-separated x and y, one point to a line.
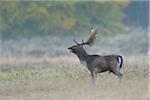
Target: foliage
50	17
137	14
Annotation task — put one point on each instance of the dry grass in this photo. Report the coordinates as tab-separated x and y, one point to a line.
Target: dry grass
70	81
33	60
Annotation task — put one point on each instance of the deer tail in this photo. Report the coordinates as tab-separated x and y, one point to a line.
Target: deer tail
120	61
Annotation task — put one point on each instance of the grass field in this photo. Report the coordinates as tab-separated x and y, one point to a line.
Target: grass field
63	78
42	69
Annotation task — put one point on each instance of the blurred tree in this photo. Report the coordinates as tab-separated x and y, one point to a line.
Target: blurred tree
137	14
24	18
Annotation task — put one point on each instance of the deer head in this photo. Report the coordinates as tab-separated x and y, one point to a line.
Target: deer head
79	46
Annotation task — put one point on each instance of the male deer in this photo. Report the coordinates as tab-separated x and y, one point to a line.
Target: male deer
97	63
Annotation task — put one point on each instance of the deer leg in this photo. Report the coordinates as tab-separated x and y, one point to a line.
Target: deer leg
117	73
93	75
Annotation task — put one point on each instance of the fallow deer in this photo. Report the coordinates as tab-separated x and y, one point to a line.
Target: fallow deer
97	63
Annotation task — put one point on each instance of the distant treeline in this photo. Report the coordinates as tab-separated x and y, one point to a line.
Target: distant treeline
137	14
30	18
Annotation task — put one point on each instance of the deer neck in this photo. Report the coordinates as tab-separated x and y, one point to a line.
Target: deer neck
82	55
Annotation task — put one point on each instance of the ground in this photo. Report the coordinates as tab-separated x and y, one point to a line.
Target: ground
66	82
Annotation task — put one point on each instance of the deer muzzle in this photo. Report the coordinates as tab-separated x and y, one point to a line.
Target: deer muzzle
70	49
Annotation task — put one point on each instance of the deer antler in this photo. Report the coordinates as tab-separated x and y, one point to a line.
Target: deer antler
92	38
76	42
